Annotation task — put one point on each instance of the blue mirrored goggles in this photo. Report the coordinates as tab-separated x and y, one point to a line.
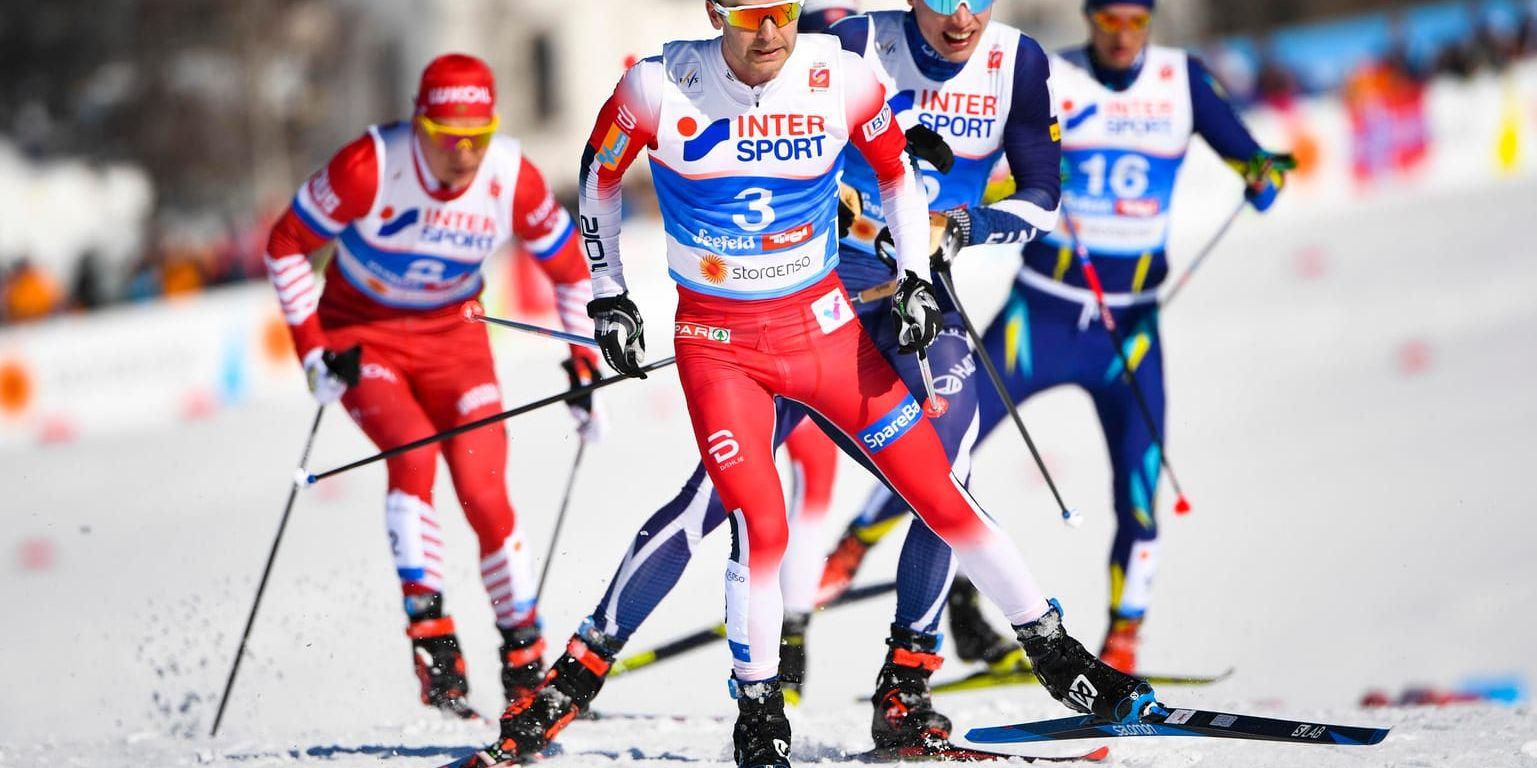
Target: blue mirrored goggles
947	7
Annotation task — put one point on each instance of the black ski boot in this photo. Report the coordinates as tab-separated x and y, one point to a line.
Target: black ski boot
435	650
761	737
792	656
976	640
532	722
522	655
904	710
1076	678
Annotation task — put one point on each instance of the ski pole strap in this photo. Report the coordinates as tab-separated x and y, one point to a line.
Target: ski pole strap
567	396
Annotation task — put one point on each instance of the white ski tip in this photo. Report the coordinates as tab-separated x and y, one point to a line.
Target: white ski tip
1072	518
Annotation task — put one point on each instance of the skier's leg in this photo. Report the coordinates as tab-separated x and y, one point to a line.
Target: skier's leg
1135	460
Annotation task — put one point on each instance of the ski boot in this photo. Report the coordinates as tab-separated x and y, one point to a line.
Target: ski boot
532	722
845	559
904	710
974	638
761	736
792	656
522	655
439	663
1121	642
1076	678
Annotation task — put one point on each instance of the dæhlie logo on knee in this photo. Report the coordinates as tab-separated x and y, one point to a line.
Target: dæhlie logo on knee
724	448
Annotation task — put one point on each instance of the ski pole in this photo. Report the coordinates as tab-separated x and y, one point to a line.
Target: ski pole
473	312
1070	516
568	395
1211	244
560	518
1091	276
261	587
928	384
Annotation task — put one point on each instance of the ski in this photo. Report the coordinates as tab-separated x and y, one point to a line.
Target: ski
992	678
1181	722
708	635
487	757
951	753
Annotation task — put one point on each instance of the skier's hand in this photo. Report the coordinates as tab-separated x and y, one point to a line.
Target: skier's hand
916	313
329	373
1264	175
949	232
850	209
620	333
927	145
582	369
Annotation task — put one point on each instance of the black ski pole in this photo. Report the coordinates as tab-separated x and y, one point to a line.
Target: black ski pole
568	395
261	587
1070	516
1091	276
1211	244
560	519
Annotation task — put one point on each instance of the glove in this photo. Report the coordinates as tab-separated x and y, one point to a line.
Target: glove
620	333
949	232
329	374
850	209
916	313
925	144
582	369
1264	175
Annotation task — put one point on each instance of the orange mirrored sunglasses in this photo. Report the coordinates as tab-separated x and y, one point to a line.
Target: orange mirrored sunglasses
752	16
452	137
1111	23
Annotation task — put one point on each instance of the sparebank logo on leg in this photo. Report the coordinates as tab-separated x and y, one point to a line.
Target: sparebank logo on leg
892	426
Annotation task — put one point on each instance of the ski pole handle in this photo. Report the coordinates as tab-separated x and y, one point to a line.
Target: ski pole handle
473	312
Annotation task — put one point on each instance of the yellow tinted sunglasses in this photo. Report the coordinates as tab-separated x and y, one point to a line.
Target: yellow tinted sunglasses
452	137
752	16
1111	23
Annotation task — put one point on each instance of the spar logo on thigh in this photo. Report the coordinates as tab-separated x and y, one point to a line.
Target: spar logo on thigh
891	427
724	448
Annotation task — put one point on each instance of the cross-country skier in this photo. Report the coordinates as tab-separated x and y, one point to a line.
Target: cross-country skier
1129	111
744	132
415	207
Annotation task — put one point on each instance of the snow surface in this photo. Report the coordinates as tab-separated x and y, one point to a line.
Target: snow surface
1346	416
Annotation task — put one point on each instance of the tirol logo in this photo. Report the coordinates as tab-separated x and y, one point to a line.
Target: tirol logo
787	238
459	94
705	332
762	137
891	426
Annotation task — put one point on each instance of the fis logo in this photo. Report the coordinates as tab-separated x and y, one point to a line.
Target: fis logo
892	426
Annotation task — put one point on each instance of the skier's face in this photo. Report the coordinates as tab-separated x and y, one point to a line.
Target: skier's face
1118	33
955	36
454	160
755	52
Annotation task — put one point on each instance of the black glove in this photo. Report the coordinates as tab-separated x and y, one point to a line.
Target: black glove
620	333
582	369
925	144
916	313
329	374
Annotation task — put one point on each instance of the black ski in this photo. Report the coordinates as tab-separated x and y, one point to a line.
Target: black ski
1181	722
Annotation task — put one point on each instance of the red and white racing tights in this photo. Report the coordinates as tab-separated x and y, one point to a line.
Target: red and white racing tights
422	375
734	357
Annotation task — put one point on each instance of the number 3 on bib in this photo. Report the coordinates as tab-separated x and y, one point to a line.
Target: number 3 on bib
761	205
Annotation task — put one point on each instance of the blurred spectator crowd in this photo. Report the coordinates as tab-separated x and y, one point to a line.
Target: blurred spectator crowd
197	218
